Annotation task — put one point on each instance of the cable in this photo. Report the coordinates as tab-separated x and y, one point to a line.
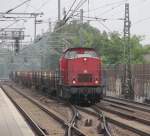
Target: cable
17	6
27	6
42	5
107	11
75	9
105	5
101	19
69	9
105	26
9	25
141	20
31	6
81	2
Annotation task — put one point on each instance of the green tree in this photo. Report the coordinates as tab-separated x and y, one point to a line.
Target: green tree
110	46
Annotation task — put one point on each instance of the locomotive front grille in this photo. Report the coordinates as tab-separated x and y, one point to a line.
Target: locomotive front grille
84	77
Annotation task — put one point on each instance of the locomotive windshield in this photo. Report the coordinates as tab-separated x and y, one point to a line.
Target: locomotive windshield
76	54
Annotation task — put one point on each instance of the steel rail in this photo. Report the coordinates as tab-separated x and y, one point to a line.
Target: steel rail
98	114
33	125
72	122
125	113
101	115
129	103
70	126
123	124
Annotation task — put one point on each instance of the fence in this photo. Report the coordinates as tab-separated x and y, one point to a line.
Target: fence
113	76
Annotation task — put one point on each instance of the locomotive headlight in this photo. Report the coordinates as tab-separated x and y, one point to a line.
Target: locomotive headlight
85	71
85	59
96	81
74	81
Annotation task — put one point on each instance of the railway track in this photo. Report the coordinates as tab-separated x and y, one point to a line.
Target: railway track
133	110
89	130
105	123
124	117
129	103
103	129
69	127
34	126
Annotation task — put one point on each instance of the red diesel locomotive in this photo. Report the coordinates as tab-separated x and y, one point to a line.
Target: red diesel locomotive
80	70
79	78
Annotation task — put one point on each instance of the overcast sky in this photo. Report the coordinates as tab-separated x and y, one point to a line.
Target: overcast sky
108	9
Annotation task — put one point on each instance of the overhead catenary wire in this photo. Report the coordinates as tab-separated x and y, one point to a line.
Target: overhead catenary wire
81	2
106	5
10	10
105	26
9	25
30	6
70	13
42	5
141	20
69	9
25	2
112	8
27	6
100	19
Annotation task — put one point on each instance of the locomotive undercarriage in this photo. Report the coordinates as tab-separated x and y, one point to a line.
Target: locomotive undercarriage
78	95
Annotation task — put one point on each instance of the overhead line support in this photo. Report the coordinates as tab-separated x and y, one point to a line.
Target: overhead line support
127	88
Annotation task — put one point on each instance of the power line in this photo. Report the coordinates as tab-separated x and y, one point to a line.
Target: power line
27	6
109	10
81	2
31	6
42	5
9	25
141	20
105	5
30	15
105	26
69	9
17	6
101	19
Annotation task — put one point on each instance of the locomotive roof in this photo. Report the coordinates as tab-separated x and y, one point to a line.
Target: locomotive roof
78	48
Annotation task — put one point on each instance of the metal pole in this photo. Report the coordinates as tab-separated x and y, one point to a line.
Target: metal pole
50	26
127	80
35	26
88	9
81	16
59	10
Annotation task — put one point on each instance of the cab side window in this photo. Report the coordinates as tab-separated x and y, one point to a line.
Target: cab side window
70	54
